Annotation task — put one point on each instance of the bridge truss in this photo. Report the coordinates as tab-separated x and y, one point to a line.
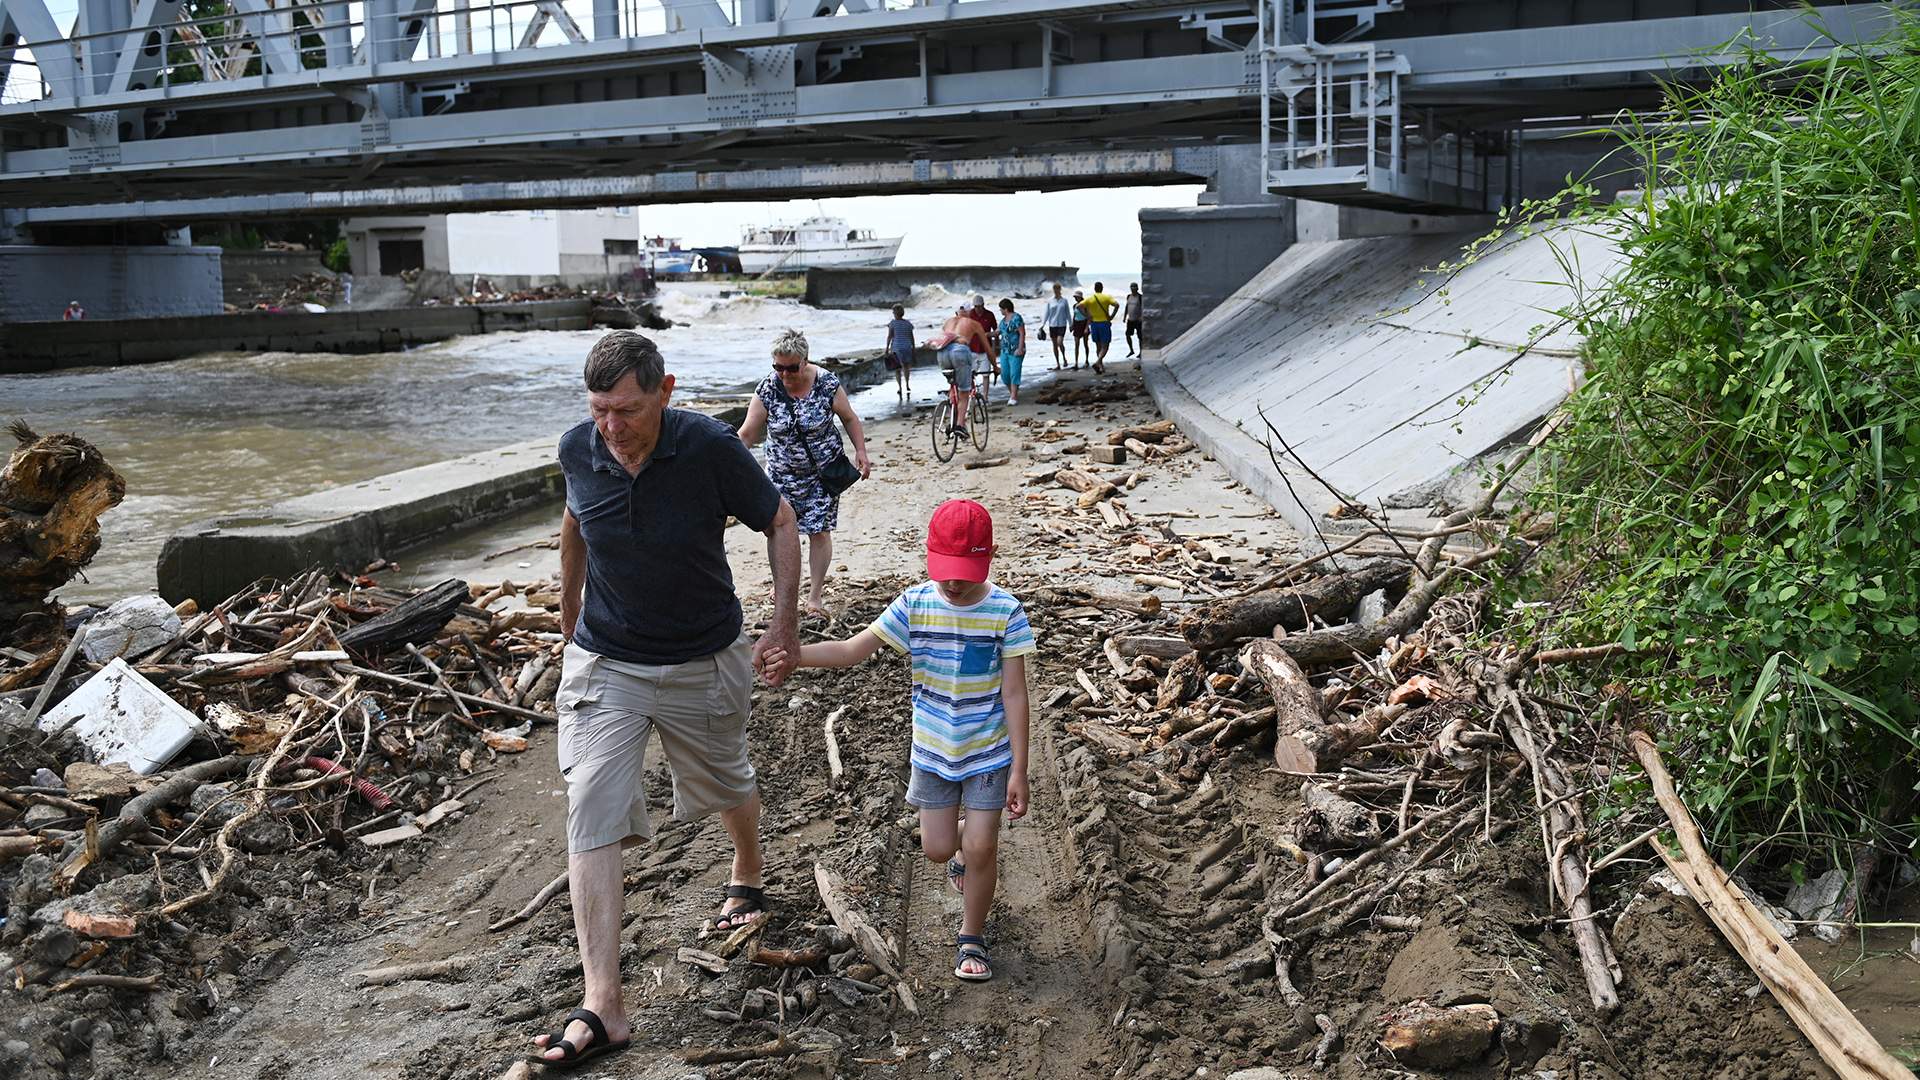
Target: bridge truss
149	108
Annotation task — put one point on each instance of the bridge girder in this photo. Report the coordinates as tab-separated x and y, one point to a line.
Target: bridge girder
804	81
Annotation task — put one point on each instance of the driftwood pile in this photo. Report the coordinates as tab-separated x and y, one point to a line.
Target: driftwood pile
1357	672
347	716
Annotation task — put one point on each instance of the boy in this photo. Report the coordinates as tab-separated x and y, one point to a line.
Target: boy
968	640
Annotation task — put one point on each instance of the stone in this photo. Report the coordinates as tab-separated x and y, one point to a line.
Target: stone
1527	1039
40	815
46	778
55	945
116	780
131	627
1262	1072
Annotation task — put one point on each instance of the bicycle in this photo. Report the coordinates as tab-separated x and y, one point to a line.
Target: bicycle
946	441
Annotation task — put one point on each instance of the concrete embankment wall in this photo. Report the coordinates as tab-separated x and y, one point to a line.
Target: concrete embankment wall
44	346
882	286
111	282
1387	378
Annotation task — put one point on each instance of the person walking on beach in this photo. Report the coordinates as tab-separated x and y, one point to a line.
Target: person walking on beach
654	643
793	409
900	352
1013	349
1132	315
1080	325
1100	309
968	641
961	347
1055	320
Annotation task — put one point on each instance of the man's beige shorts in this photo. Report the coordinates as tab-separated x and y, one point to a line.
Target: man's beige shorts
607	708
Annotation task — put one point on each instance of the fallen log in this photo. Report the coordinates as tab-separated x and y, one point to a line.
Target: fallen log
52	492
1162	647
1310	749
1185	680
1092	489
1333	821
1296	705
1220	624
1843	1043
1439	1037
1155	432
416	619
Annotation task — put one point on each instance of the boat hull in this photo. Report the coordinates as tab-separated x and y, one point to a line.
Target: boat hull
786	258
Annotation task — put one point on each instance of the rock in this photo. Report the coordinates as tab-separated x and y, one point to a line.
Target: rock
46	778
1527	1039
40	815
1436	1037
55	945
117	780
1263	1072
131	627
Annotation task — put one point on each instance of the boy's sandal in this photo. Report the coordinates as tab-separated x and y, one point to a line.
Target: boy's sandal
753	906
971	947
571	1056
957	876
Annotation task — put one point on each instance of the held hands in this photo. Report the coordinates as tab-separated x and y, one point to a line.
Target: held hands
776	655
1019	795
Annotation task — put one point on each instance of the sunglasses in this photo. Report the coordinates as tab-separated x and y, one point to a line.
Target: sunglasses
787	369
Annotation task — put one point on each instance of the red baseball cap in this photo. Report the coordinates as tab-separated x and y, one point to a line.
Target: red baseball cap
959	541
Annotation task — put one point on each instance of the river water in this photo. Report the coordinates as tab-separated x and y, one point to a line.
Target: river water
220	433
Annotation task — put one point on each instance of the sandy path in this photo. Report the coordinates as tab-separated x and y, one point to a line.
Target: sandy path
302	1019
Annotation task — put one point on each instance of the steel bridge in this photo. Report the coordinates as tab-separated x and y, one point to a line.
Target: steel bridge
151	109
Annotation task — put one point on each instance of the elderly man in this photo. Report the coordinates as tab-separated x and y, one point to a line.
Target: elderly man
654	643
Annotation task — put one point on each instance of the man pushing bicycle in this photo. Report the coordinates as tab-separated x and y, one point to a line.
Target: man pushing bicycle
963	351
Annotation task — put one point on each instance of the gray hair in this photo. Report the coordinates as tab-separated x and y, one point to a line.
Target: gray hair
619	352
790	342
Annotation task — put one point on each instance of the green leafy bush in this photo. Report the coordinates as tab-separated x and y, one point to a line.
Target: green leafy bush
337	259
1736	487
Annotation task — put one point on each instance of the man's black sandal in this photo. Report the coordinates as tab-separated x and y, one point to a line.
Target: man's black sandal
572	1057
728	921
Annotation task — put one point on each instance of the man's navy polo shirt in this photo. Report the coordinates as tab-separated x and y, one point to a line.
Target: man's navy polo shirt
659	590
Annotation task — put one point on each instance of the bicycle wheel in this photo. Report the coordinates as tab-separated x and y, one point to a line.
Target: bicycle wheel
978	425
944	444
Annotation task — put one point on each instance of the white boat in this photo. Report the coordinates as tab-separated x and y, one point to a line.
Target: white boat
667	256
817	241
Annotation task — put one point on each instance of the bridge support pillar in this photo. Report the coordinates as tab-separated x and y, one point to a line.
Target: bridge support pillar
1193	258
118	281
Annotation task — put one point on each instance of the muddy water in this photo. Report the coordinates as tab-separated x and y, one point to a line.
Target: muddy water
220	433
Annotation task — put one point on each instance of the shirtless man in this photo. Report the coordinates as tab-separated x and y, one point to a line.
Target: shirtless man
959	342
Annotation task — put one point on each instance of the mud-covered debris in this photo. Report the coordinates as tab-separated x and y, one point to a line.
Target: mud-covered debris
1440	1037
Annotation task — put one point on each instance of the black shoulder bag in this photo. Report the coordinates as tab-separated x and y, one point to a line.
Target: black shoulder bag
840	474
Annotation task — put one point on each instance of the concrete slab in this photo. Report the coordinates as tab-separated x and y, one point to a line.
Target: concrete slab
354	525
1384	377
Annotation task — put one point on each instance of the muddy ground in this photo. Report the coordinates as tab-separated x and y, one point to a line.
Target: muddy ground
1126	939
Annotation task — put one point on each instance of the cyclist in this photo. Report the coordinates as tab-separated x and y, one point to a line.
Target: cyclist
960	345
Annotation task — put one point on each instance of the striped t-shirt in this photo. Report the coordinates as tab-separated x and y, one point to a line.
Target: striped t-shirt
959	722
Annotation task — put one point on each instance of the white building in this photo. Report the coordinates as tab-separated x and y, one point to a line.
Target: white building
511	248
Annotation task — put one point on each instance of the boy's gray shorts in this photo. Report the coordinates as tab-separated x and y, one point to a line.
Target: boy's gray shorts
981	791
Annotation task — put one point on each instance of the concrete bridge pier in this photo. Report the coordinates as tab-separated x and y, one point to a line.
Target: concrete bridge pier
119	279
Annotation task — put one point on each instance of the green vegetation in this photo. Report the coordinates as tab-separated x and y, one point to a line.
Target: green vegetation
337	258
1736	489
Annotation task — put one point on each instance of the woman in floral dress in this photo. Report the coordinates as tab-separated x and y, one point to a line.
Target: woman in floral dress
793	409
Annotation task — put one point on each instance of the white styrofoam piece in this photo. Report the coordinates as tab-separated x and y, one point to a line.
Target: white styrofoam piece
120	716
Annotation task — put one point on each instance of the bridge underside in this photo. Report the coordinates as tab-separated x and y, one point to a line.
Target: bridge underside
1401	103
